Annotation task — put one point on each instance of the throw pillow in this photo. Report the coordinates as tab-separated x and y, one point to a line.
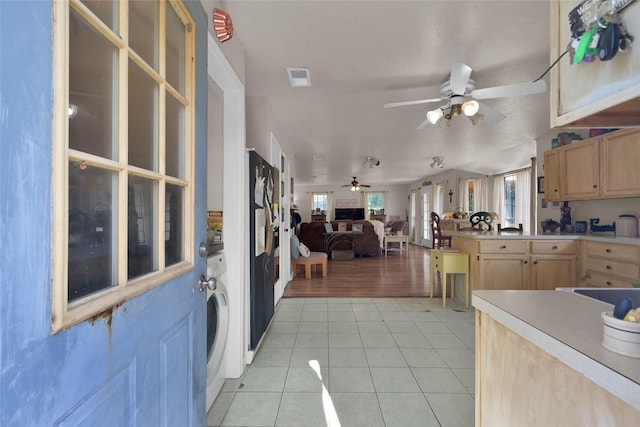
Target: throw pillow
328	228
304	250
295	253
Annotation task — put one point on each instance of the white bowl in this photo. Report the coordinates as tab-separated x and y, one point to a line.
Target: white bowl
620	336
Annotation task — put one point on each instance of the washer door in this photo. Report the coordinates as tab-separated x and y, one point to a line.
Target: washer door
217	328
212	324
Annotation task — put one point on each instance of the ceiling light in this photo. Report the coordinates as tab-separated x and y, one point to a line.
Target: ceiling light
222	25
372	162
438	162
470	108
355	188
299	77
434	116
456	110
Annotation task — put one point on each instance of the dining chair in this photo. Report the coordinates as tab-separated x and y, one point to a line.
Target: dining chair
480	221
437	238
517	229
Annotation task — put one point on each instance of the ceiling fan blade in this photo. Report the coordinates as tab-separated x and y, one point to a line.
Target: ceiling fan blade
489	115
516	89
460	74
364	185
405	103
423	124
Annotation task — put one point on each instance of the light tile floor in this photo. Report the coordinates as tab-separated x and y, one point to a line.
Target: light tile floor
357	362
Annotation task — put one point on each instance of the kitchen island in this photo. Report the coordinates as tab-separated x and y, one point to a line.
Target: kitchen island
540	362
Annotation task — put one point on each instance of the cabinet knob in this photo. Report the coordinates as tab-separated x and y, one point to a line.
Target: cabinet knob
556	190
608	283
608	267
554	247
595	185
503	247
535	262
526	262
607	250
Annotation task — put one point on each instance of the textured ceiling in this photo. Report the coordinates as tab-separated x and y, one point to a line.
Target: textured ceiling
363	54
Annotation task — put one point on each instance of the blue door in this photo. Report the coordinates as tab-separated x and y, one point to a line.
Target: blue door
142	361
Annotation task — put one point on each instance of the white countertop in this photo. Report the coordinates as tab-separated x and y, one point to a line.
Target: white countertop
569	327
598	237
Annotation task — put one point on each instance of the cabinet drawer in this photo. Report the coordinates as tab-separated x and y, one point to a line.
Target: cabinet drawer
604	281
608	267
567	247
611	250
503	246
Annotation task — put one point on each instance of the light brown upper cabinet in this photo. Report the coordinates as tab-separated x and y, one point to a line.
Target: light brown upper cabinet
620	161
579	164
597	168
552	175
601	94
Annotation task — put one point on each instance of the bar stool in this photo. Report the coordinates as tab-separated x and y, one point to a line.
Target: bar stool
449	262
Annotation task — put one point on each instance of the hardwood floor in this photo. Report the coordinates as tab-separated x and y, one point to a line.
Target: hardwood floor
395	275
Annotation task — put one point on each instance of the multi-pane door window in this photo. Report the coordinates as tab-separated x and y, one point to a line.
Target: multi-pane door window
509	201
124	128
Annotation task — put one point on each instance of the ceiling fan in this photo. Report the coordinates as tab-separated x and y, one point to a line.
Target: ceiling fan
355	185
457	91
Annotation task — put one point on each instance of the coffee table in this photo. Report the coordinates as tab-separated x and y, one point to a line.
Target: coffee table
403	240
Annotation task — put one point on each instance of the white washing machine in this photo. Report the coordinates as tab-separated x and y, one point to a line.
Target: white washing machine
217	326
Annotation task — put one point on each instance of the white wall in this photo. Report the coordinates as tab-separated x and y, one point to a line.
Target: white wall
606	209
215	151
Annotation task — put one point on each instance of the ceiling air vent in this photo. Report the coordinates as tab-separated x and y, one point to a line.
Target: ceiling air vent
299	77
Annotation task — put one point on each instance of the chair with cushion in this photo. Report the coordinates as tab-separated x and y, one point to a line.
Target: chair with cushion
306	258
517	229
437	238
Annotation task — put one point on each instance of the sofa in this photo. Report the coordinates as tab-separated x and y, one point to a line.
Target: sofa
392	227
312	234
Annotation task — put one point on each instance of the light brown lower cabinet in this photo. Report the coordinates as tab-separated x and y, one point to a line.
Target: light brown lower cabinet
611	265
518	264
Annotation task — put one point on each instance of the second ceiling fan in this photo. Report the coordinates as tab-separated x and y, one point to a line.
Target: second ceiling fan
460	93
355	185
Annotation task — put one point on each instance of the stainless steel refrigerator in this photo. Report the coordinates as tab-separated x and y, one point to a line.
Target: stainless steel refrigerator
261	194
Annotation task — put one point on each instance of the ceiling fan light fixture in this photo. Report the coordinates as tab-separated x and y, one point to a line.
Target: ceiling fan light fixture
470	108
476	118
456	109
434	115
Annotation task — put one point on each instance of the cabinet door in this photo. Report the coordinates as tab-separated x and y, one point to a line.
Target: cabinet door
551	271
498	271
552	175
619	171
579	166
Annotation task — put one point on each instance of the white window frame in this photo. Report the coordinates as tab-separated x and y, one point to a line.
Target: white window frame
314	204
366	195
65	313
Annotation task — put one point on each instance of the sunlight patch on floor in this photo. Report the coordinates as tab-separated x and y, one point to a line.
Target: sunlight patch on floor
330	414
